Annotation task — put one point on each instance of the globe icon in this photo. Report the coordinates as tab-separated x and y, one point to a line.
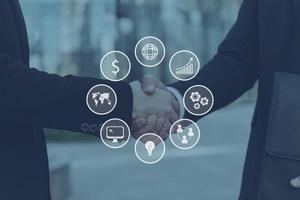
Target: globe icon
149	51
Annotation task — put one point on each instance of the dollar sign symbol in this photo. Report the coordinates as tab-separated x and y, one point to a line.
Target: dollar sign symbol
116	68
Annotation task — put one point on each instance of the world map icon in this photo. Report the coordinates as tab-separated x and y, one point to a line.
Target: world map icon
150	51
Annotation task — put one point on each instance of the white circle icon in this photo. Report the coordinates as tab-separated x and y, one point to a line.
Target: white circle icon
149	148
115	133
184	65
115	66
198	100
101	99
184	134
150	51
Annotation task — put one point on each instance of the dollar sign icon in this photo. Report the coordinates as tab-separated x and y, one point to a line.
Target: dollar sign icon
116	69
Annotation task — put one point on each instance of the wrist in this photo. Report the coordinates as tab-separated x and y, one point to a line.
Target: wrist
179	99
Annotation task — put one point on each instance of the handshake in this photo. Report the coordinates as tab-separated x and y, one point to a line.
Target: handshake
155	108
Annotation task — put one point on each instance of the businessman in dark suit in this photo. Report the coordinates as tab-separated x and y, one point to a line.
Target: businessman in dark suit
265	39
31	100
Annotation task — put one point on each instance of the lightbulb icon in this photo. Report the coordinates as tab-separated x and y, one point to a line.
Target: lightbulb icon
150	146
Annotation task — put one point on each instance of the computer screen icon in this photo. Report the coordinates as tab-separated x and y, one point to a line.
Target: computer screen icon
115	133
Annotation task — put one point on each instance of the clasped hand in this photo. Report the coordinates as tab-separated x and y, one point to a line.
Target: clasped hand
155	108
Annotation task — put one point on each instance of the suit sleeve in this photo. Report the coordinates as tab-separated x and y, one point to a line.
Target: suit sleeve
29	97
234	69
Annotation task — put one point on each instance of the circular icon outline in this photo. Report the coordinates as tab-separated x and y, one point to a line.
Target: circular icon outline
212	99
184	51
185	148
163	47
104	142
149	162
111	52
97	113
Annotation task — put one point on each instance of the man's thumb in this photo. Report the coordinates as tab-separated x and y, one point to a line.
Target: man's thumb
296	182
149	84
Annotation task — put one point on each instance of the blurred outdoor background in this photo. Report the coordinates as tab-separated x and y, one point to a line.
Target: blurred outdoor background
71	36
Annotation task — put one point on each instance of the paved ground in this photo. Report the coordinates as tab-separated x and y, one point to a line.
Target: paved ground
210	171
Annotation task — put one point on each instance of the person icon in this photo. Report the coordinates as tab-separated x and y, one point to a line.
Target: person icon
179	129
184	140
191	132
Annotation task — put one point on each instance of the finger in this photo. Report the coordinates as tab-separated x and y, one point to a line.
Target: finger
146	138
173	117
176	106
161	131
157	141
165	131
149	127
160	124
296	182
138	123
149	84
152	138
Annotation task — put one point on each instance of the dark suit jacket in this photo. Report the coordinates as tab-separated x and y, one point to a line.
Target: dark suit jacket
258	45
31	100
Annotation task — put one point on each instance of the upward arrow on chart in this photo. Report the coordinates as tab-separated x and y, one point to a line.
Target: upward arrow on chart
186	65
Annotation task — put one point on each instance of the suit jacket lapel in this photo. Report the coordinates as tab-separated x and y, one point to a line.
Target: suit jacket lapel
21	29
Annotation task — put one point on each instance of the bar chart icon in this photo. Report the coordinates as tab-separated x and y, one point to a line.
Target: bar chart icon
187	69
184	65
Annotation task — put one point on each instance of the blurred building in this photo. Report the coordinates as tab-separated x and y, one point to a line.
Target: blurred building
71	36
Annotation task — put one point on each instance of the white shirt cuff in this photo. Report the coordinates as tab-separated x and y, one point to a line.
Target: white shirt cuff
178	96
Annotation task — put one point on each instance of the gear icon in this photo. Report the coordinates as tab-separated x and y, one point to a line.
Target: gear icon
197	106
195	96
204	101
